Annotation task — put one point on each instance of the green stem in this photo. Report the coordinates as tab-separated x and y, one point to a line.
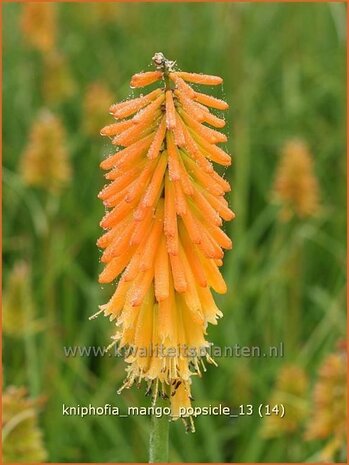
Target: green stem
159	434
167	81
294	325
32	361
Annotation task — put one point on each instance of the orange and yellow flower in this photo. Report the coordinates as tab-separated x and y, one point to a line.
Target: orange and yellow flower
291	391
328	420
17	307
22	439
58	83
97	98
296	187
163	228
45	160
39	25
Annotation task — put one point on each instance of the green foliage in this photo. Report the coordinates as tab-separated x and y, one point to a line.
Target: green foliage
284	76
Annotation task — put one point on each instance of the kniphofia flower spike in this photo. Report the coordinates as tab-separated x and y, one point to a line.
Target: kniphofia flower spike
163	236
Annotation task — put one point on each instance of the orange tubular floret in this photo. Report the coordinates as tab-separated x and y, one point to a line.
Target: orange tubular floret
116	128
158	139
142	181
191	107
209	249
115	266
194	151
124	104
150	248
174	169
175	166
186	182
190	295
145	79
141	229
143	210
133	267
208	306
200	78
212	136
116	173
185	88
178	274
149	113
130	153
218	251
221	181
170	111
147	118
220	237
141	335
128	318
205	179
156	182
161	272
118	197
222	209
193	258
119	244
172	244
181	204
182	85
209	101
107	238
170	219
214	120
205	208
140	287
117	301
212	151
134	133
116	186
166	322
192	227
116	214
178	133
214	277
128	108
